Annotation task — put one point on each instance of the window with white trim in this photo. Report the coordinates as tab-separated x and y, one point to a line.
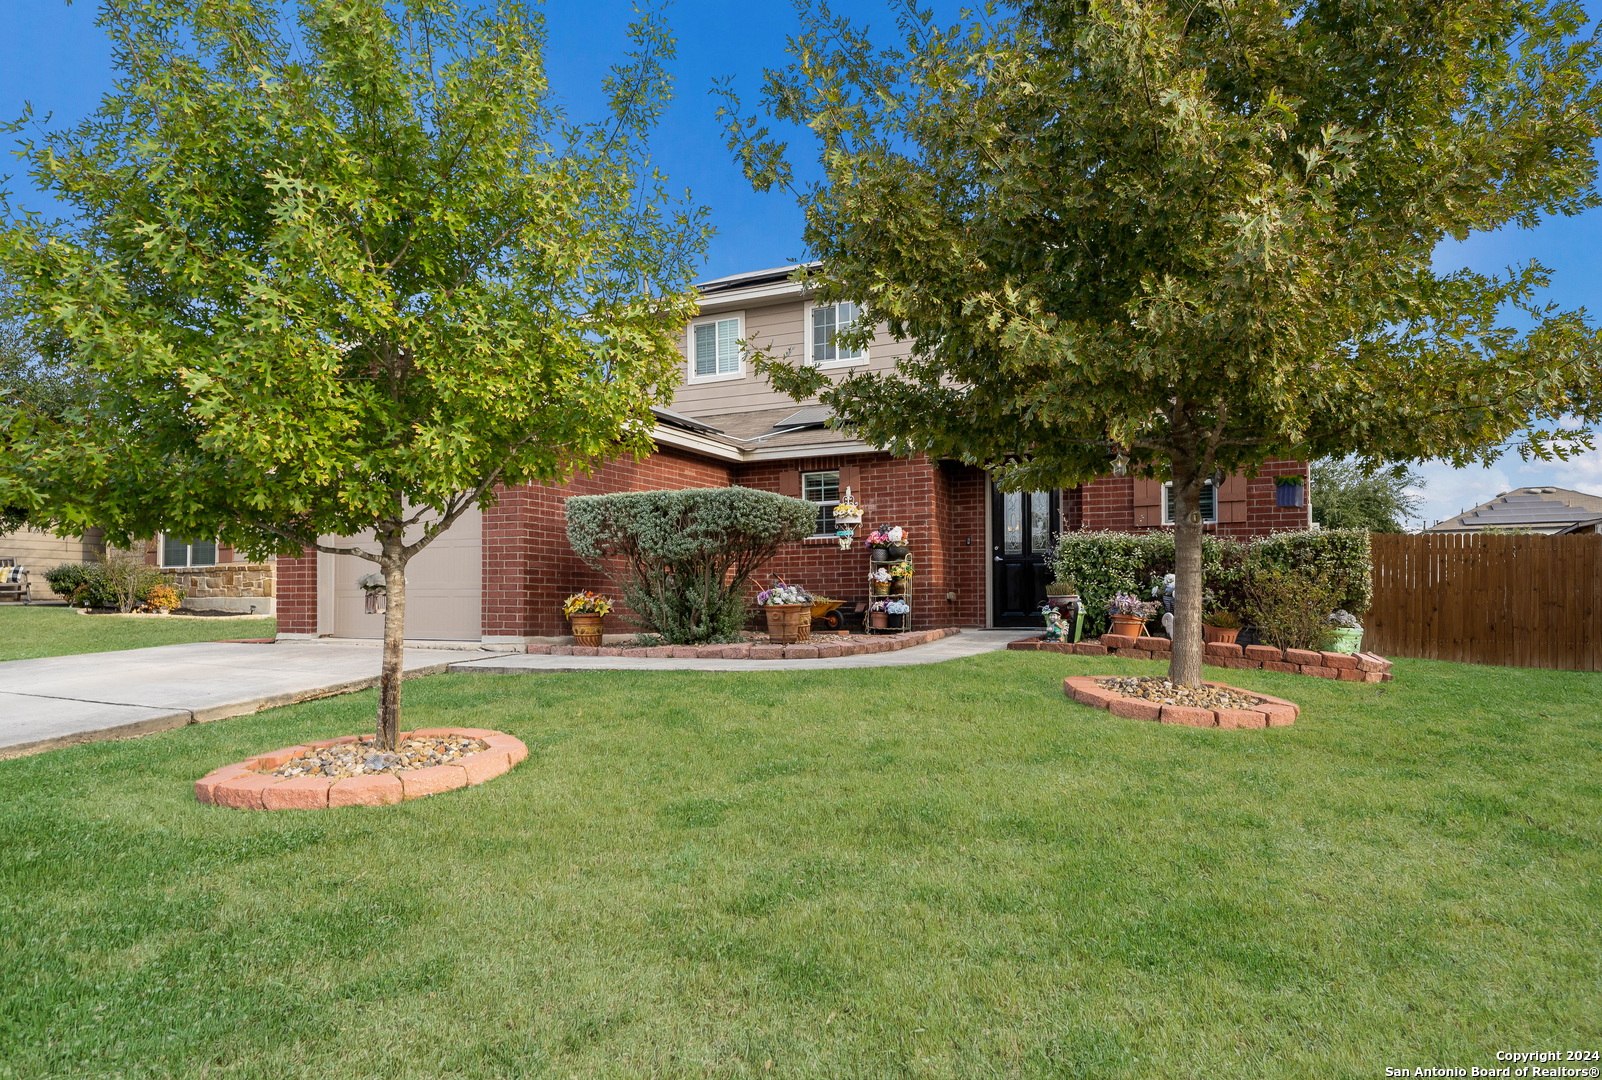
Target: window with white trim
1209	503
176	552
822	488
825	324
715	348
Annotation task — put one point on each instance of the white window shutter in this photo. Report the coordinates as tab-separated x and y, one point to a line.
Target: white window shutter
706	349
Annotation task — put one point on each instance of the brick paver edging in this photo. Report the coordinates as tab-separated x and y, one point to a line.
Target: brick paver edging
1267	712
1359	667
249	785
821	647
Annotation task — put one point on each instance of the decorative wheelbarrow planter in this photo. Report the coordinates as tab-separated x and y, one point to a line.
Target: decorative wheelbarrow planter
826	611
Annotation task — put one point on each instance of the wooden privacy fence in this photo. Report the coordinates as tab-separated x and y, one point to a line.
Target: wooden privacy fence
1518	600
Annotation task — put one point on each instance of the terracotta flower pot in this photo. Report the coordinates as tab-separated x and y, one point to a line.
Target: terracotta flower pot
1128	625
587	629
789	623
1220	634
879	620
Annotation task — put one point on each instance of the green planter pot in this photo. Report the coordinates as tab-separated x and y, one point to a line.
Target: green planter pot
1347	640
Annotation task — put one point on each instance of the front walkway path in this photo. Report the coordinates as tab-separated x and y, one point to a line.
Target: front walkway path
60	700
966	643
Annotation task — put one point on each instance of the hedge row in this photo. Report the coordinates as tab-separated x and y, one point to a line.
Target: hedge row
1104	563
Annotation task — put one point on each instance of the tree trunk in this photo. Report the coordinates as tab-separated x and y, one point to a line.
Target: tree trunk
389	680
1185	662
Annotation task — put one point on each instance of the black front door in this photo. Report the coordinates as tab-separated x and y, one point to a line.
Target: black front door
1022	525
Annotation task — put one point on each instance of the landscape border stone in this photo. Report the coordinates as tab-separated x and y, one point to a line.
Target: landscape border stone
1269	711
1360	667
823	646
250	785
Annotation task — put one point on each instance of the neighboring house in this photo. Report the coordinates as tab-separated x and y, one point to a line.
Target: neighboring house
1549	510
40	551
212	577
499	577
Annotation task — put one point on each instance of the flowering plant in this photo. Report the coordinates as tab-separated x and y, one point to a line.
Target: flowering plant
894	536
586	603
782	593
880	575
847	509
372	581
1125	604
164	598
891	607
902	570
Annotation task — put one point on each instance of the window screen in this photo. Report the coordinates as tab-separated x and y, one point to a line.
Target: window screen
822	488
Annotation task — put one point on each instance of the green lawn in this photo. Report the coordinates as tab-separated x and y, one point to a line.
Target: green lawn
946	871
26	632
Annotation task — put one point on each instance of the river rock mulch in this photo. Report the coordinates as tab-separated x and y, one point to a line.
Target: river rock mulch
1166	693
363	759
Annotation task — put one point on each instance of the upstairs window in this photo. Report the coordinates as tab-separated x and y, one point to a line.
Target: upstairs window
1209	503
828	320
822	488
715	348
176	552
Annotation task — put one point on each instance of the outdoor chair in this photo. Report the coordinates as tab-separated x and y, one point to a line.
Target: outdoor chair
14	581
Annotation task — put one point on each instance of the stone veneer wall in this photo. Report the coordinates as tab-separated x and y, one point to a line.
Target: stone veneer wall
226	586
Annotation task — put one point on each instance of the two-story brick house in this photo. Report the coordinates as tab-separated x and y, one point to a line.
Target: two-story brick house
500	577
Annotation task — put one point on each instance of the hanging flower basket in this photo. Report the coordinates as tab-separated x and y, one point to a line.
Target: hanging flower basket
1289	490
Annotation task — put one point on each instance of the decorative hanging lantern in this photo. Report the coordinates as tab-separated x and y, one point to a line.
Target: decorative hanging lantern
847	516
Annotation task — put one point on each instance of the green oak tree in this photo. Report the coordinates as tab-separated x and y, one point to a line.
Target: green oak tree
1347	494
1178	237
340	268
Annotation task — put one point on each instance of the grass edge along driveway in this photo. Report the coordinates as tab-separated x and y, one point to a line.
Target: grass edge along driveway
945	871
27	633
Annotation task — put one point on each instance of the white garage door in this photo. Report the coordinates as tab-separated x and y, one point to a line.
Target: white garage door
443	588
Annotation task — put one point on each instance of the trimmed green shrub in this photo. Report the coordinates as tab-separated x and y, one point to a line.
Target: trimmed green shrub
65	579
1344	557
684	559
1104	563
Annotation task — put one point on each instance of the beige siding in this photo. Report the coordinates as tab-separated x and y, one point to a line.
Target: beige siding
39	551
780	329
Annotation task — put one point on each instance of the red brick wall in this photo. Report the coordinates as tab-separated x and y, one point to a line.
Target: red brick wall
297	593
1109	503
529	569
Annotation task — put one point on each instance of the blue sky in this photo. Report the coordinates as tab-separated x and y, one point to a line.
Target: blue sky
53	56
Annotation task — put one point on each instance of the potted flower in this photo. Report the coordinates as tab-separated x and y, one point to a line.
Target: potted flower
847	512
587	612
888	545
1289	490
1129	614
1346	631
376	591
789	611
879	579
1220	625
1059	593
879	614
900	574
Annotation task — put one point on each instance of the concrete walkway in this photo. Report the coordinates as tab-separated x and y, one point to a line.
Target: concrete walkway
967	643
61	700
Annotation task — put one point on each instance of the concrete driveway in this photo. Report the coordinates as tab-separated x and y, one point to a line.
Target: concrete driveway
60	700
